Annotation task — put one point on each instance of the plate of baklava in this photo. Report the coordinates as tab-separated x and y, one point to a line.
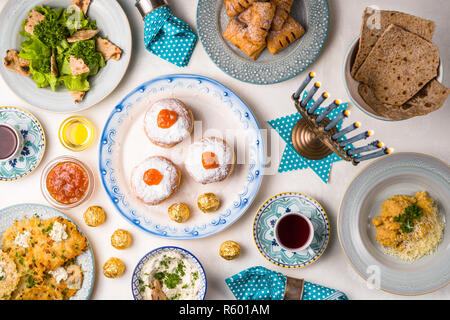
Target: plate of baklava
182	157
263	41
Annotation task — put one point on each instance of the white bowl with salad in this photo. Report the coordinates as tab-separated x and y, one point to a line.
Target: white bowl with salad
64	56
169	273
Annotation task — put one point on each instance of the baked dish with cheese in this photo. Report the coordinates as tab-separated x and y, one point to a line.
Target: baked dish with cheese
409	227
38	260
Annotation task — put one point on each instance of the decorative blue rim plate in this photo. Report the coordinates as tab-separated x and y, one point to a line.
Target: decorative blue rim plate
112	22
110	151
212	20
135	279
86	259
400	173
34	144
271	211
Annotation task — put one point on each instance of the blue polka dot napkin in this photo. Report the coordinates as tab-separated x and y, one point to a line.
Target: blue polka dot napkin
169	37
259	283
291	160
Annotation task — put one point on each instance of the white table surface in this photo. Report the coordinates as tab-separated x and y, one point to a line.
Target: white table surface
427	135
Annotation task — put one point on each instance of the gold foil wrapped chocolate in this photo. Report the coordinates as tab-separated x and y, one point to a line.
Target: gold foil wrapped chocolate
230	250
113	268
94	216
121	239
208	202
179	212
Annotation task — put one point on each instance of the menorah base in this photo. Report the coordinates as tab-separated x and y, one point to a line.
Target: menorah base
308	143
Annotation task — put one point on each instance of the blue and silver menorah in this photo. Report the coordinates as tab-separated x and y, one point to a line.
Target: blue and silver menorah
315	136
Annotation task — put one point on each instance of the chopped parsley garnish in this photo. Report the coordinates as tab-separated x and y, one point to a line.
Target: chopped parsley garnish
30	281
176	297
1	278
48	229
51	32
160	275
180	269
172	280
165	263
412	214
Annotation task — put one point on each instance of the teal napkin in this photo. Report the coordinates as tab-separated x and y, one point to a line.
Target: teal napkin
168	37
259	283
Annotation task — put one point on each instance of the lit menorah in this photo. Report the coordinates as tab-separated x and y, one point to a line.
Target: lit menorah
315	136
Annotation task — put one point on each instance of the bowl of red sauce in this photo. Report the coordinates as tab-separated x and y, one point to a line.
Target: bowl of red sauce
67	182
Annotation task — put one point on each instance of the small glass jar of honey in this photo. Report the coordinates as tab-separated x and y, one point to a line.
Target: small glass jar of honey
76	133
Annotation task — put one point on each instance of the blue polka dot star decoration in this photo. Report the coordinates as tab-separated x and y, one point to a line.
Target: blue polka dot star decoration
168	37
291	160
259	283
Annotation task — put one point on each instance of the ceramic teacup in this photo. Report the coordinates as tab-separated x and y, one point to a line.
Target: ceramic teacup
294	232
12	142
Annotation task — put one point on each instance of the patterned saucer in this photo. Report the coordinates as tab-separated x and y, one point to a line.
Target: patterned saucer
34	144
271	211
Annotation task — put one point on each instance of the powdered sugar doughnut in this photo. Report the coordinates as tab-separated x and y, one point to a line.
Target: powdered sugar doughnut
155	179
168	122
210	160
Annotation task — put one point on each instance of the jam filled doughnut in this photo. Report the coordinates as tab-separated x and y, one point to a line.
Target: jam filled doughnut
210	160
155	179
168	122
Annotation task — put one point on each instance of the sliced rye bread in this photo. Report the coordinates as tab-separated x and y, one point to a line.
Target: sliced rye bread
427	100
375	22
400	64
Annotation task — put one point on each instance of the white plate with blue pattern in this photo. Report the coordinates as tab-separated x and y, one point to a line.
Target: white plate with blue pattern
34	144
217	112
86	259
264	229
212	20
137	277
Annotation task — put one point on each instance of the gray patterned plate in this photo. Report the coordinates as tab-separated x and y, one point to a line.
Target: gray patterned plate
271	211
34	144
86	259
401	173
267	69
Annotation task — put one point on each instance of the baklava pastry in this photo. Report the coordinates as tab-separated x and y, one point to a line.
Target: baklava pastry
237	33
279	40
234	7
283	8
249	31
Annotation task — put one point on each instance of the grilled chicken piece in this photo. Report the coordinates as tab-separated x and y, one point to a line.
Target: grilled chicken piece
78	95
82	5
34	18
77	66
82	35
108	49
53	64
14	63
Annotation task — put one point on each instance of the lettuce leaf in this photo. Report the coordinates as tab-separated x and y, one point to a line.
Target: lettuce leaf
76	83
51	35
34	49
